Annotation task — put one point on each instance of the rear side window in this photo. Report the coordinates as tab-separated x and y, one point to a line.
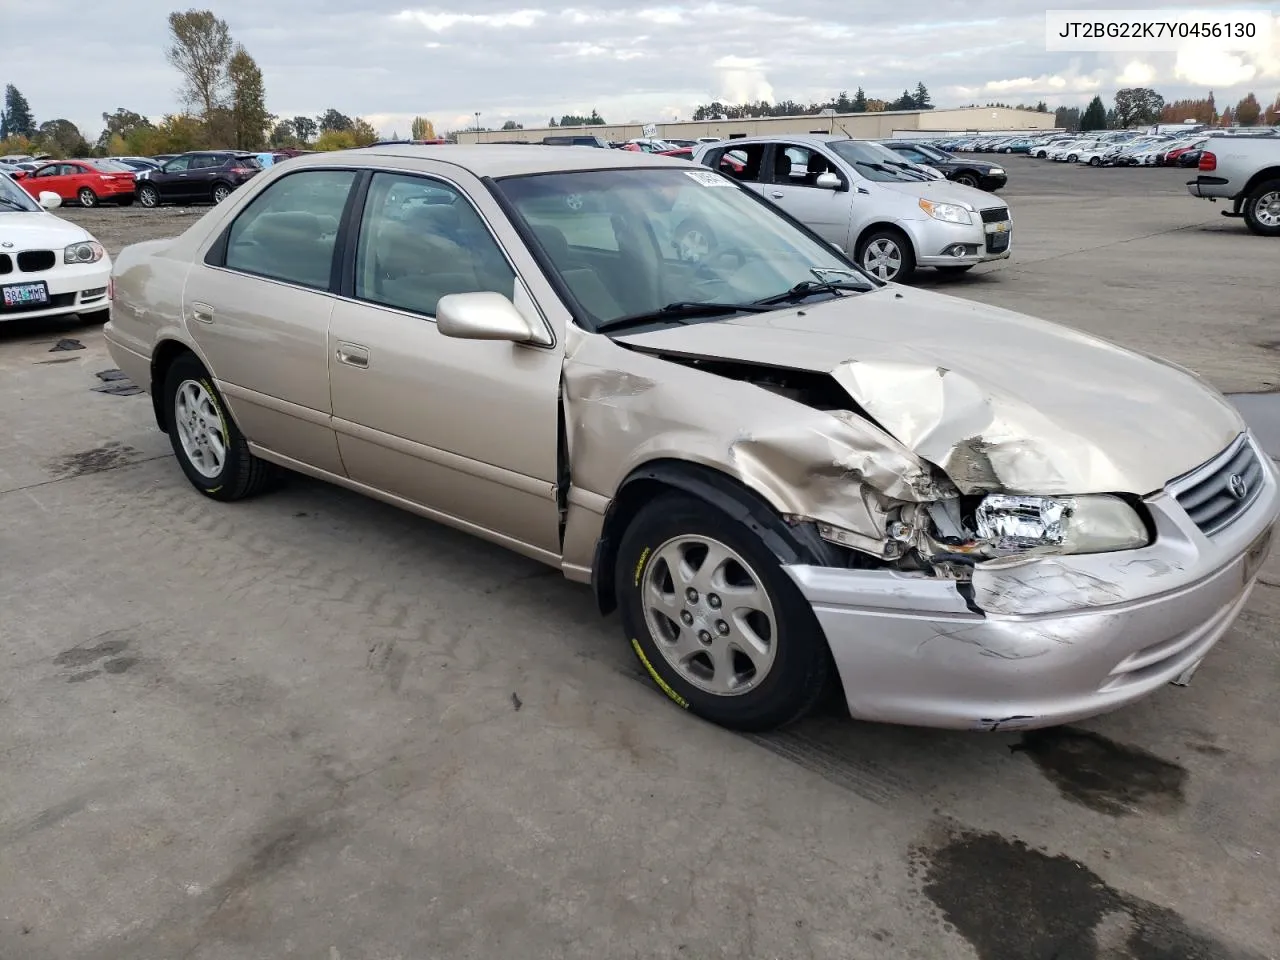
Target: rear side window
420	240
288	231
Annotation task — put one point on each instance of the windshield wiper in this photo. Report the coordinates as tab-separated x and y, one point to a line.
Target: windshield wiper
13	203
807	288
677	313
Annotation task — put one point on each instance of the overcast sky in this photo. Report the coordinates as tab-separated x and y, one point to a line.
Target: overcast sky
633	60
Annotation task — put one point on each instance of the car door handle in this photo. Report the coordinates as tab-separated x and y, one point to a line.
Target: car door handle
202	312
353	354
777	194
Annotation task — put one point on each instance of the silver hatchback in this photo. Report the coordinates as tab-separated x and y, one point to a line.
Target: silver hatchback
856	194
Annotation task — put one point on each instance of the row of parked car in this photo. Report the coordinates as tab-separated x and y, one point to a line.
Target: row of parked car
198	175
1111	148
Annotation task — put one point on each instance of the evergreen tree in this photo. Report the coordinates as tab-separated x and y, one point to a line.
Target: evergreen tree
922	97
1094	117
860	101
18	121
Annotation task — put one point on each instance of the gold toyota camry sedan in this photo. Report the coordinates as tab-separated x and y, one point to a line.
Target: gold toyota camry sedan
782	472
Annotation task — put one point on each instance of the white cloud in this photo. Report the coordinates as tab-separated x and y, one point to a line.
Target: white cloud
741	80
1136	74
439	22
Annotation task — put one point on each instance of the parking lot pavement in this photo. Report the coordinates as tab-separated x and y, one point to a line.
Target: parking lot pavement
312	726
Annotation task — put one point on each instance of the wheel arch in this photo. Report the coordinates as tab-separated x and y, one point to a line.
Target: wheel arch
1262	176
878	225
790	543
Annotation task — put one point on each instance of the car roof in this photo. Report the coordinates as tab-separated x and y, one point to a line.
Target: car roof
506	160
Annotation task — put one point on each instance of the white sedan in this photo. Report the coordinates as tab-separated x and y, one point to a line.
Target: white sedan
48	267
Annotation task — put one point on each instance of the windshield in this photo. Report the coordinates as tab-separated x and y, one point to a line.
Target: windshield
629	242
13	199
871	163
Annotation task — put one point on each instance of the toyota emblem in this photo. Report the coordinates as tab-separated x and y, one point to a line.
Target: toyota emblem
1238	486
7	245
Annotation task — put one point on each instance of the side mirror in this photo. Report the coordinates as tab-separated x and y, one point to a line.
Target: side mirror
827	181
50	200
482	316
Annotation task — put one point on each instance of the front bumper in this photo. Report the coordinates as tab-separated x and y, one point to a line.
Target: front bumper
73	288
935	239
1057	639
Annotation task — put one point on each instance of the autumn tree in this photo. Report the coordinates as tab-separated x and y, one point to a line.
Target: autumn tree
16	119
363	132
1271	116
249	118
1227	118
1248	111
421	129
200	50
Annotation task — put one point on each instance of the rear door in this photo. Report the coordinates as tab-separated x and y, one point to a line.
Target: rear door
258	305
794	170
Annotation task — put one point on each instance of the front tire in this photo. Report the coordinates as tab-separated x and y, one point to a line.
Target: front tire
210	448
1262	209
148	196
887	255
714	620
1095	162
86	197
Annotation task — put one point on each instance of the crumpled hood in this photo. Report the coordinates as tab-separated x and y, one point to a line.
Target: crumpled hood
996	399
38	231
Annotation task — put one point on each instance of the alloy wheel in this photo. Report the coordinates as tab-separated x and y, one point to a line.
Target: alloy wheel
200	430
220	193
882	258
710	615
1267	209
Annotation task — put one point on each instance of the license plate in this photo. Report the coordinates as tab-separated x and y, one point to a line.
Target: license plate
25	294
1000	226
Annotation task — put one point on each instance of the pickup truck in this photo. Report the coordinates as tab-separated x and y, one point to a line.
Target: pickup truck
1246	171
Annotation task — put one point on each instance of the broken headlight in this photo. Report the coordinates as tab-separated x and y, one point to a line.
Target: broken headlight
1096	523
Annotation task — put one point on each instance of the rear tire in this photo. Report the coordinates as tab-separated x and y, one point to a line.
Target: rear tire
86	197
220	192
148	196
967	179
210	448
744	650
1262	209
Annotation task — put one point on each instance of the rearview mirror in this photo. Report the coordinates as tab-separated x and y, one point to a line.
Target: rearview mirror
50	200
827	181
481	316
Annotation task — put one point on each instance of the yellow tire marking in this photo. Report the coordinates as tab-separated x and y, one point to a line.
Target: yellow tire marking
662	684
640	565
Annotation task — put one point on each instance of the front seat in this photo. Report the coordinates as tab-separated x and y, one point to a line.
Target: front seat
782	168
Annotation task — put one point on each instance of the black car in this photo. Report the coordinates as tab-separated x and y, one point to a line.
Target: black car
564	140
201	175
971	173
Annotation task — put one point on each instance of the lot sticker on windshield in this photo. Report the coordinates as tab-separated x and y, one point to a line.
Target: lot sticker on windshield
708	179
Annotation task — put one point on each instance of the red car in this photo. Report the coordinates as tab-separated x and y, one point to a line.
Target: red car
728	163
88	182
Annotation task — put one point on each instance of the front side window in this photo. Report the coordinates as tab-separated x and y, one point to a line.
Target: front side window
627	242
49	171
799	166
288	231
421	239
177	165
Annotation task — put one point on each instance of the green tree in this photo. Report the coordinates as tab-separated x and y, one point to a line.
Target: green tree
305	129
363	132
1248	111
512	125
333	121
553	123
16	119
923	102
63	138
200	51
1137	105
1094	116
249	118
860	101
1067	118
421	129
123	123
